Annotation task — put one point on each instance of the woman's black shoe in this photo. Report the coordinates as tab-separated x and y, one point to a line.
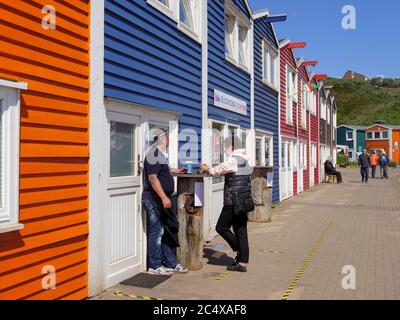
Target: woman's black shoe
236	261
237	267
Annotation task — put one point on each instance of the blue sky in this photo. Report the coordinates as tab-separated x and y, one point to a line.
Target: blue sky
372	49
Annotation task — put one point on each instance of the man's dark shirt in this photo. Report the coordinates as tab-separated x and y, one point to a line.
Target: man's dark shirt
329	168
364	161
156	163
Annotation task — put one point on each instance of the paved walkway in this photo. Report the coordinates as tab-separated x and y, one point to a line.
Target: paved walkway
300	255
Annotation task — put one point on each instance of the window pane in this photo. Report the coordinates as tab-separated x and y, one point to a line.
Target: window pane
267	152
385	135
369	135
186	14
217	152
377	135
122	149
273	69
242	46
229	25
283	155
258	152
265	62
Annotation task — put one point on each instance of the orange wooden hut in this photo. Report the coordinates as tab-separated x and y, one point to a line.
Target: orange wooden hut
386	137
44	95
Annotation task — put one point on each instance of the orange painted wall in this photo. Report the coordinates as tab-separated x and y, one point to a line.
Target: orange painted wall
378	144
54	147
396	137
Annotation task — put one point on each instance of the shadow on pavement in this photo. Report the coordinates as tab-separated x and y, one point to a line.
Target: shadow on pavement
217	258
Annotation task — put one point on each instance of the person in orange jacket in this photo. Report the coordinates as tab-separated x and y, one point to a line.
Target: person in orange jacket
374	163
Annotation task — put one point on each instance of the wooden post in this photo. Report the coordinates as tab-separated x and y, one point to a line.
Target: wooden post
262	196
190	252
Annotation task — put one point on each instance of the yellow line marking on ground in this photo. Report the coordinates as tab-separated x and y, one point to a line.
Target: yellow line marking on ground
133	296
306	262
221	276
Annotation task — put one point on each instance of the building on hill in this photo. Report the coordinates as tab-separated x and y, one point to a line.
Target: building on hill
355	76
353	137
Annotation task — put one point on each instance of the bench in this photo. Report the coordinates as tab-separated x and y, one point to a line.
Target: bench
330	178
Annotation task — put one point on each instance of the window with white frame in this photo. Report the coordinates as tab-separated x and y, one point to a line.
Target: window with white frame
264	151
237	36
377	135
9	160
220	131
305	155
323	110
369	135
270	65
349	135
304	106
291	93
314	103
385	135
328	114
185	12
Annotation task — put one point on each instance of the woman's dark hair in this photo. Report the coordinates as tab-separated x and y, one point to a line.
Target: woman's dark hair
234	141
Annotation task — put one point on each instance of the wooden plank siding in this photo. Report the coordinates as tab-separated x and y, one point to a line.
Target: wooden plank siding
304	133
287	58
54	148
314	124
223	75
266	103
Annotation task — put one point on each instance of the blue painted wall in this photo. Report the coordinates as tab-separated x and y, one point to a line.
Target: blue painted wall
266	106
148	61
222	75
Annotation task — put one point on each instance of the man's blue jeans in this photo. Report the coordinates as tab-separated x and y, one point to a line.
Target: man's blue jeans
160	252
365	174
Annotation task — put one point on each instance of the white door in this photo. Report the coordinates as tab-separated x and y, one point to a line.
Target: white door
313	157
124	225
286	169
300	168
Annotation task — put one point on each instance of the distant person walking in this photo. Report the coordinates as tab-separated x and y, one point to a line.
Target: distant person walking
364	162
383	165
374	163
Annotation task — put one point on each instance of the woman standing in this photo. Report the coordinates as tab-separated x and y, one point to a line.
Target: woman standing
237	201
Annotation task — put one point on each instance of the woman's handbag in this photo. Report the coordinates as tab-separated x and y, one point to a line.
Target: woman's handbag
241	205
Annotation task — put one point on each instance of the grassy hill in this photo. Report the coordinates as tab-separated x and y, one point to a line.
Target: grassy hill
361	103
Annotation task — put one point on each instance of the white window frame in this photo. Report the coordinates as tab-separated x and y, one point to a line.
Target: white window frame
305	165
324	110
372	135
264	139
382	132
240	22
304	105
173	12
328	113
380	135
291	93
10	118
270	55
347	135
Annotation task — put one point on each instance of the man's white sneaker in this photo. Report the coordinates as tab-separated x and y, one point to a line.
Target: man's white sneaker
178	269
161	271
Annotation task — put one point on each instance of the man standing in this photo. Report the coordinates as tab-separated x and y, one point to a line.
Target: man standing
331	170
156	199
364	162
374	163
383	165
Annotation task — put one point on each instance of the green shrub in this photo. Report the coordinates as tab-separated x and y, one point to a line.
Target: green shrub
342	160
392	164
